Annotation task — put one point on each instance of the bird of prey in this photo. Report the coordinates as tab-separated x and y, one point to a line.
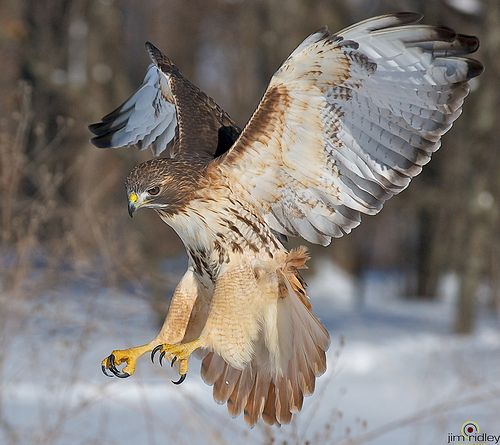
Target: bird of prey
345	123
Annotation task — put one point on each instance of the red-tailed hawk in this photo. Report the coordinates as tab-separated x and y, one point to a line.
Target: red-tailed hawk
345	123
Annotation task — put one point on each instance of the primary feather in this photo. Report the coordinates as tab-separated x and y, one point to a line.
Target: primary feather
146	119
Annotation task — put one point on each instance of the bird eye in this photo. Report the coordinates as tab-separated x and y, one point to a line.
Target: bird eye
153	191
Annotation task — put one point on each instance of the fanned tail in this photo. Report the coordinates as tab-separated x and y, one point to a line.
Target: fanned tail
274	383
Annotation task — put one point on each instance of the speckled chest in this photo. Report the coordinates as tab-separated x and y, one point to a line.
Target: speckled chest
214	233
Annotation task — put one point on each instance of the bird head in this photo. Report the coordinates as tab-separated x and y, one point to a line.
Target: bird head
161	184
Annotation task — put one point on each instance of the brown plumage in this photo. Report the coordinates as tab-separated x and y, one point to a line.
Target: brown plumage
178	179
346	122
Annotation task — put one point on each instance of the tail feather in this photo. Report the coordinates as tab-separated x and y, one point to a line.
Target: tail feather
212	367
224	387
269	413
297	394
283	414
257	400
239	397
273	385
307	381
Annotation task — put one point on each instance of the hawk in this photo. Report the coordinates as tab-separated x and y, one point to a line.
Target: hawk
346	122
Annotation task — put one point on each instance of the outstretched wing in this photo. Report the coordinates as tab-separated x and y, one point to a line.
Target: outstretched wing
166	104
347	121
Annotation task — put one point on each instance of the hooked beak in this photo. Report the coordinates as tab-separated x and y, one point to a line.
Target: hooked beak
132	207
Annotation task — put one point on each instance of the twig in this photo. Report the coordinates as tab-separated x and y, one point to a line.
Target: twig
423	414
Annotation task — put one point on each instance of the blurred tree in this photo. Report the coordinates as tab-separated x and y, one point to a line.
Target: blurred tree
478	180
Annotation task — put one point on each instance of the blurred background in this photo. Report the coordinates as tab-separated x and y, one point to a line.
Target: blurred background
412	297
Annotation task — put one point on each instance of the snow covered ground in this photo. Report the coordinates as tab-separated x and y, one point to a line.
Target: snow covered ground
396	374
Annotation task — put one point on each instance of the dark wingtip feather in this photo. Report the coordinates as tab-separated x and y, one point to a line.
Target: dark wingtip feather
99	128
470	44
102	141
475	68
109	126
104	132
445	34
94	128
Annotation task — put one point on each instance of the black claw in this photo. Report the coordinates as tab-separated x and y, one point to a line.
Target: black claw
114	370
111	365
173	361
105	372
161	357
154	351
178	382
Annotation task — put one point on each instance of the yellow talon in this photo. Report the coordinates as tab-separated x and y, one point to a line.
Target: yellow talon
119	356
179	353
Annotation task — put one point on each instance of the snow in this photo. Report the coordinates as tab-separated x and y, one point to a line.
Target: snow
331	283
396	372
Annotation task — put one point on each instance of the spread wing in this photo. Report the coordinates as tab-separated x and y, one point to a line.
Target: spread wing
347	121
167	104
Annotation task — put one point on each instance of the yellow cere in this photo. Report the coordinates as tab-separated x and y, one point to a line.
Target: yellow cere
132	197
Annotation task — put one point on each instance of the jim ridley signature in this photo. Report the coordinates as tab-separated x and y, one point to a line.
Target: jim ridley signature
470	433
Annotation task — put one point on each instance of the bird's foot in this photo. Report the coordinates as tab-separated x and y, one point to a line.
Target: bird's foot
179	353
119	356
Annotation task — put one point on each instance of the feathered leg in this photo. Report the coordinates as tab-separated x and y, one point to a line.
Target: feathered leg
232	325
185	309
